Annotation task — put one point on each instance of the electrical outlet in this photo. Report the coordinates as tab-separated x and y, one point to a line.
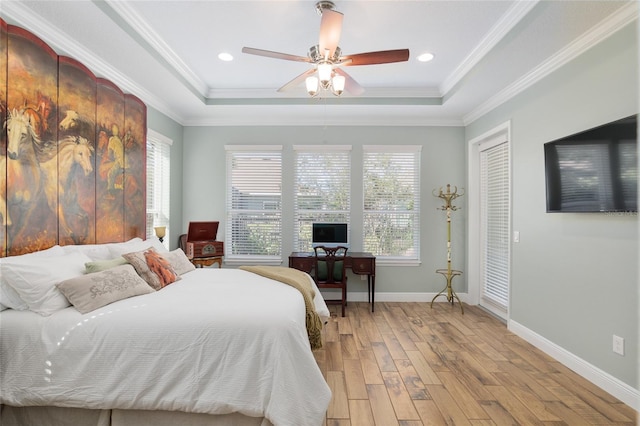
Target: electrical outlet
618	345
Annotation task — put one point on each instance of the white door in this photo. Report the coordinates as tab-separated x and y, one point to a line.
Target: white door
494	226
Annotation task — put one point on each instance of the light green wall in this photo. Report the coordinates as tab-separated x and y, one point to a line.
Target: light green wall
442	162
574	277
174	131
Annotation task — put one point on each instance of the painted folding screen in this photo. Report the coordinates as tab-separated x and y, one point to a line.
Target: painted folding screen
73	149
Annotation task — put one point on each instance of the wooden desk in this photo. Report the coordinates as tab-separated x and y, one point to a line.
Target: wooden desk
360	263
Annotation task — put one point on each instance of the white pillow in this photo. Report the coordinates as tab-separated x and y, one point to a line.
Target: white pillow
179	261
130	246
8	296
94	251
35	281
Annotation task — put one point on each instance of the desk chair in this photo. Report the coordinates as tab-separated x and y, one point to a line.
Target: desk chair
330	271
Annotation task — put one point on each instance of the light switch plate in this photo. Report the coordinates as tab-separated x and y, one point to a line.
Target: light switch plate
618	345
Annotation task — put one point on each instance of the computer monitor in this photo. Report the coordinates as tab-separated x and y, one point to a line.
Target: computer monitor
329	235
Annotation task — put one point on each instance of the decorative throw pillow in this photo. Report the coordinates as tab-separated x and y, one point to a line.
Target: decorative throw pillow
92	291
179	261
152	267
103	265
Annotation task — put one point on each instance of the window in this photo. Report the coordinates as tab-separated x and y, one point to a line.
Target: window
322	188
391	213
254	203
158	182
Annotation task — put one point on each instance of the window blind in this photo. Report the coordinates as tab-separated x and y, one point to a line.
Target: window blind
158	183
254	203
322	189
391	215
494	205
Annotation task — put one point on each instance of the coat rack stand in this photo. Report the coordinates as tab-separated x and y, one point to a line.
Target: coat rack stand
448	273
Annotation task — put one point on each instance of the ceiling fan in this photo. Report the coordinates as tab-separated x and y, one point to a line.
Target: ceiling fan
327	57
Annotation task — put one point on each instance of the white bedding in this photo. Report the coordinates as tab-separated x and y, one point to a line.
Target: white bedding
217	341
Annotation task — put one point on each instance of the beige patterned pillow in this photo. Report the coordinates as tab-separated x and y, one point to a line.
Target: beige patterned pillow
152	267
179	261
92	291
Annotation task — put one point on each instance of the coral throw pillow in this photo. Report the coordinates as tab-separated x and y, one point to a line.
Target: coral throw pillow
152	267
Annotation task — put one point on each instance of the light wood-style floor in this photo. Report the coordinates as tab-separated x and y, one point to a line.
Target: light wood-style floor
407	364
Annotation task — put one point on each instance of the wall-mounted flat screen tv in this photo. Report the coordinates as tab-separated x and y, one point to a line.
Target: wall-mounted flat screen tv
329	234
595	170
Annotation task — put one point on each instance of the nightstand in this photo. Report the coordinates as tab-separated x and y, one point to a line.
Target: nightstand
200	262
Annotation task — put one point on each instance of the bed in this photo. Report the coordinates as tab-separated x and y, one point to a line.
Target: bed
216	346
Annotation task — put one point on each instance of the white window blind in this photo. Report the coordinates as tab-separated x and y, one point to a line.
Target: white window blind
391	216
495	205
322	189
254	203
158	183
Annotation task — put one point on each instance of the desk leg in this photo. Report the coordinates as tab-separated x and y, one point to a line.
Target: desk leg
373	291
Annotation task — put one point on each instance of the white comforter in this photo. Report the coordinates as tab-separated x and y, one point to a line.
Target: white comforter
217	341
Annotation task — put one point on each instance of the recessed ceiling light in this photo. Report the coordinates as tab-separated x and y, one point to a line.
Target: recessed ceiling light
225	57
425	57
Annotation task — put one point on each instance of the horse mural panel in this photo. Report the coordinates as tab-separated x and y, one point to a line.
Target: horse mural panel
64	160
135	156
32	79
75	154
3	136
76	123
110	163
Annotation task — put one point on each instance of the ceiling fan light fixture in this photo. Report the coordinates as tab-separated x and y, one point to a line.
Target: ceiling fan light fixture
324	74
312	85
327	60
338	83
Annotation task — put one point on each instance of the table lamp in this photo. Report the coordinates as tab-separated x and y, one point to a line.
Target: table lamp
161	231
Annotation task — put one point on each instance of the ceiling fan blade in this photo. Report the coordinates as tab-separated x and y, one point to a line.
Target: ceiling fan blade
330	29
276	55
296	81
380	57
350	85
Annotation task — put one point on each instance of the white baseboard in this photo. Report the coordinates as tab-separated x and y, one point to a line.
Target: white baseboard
602	379
361	296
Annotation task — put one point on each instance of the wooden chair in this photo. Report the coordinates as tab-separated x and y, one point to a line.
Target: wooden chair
330	271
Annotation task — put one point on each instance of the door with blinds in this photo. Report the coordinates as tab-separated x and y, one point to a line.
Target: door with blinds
495	207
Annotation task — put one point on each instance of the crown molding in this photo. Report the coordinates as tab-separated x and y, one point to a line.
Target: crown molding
323	115
63	44
506	23
156	45
606	28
